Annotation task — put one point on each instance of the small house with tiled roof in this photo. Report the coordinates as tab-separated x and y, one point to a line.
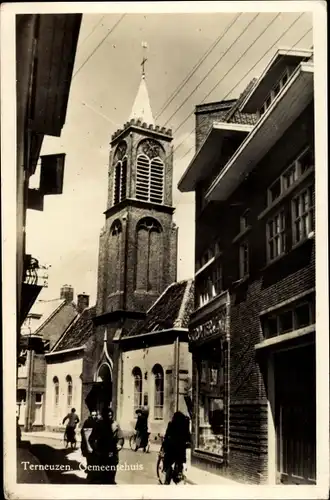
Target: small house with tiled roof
65	366
155	363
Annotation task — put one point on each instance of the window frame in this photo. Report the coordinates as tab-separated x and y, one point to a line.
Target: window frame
276	315
244	265
137	376
158	409
282	232
150	180
309	214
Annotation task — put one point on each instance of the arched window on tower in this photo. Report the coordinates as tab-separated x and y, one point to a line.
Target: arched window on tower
149	257
150	172
137	377
120	173
114	256
158	373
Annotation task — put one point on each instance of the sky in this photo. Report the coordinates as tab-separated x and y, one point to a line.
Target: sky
106	76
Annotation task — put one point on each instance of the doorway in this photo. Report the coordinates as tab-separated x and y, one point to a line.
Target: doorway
295	415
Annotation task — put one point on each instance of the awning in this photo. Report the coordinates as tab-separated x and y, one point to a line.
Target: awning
203	161
283	58
286	108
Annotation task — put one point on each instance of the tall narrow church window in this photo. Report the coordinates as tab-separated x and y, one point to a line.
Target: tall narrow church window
120	173
120	181
69	391
56	394
150	172
114	256
159	392
149	255
137	376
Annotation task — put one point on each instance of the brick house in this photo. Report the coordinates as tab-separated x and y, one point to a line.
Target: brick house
65	366
252	333
155	362
44	325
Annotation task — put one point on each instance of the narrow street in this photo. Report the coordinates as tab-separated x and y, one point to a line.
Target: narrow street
136	468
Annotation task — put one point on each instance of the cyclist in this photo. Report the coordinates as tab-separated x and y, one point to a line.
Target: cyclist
73	420
174	446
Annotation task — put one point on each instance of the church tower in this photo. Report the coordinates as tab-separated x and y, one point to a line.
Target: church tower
138	246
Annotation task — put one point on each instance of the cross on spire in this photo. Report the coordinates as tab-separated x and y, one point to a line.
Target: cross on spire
144	59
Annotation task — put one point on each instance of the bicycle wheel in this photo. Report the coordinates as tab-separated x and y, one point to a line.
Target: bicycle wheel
160	469
132	442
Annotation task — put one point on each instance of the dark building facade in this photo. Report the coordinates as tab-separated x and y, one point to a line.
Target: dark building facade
138	244
252	334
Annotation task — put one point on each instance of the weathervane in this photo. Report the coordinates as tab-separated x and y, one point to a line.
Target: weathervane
144	59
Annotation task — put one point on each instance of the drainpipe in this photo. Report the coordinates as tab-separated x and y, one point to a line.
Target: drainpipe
177	364
29	391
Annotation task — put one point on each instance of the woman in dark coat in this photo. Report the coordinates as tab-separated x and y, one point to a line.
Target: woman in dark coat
141	428
174	446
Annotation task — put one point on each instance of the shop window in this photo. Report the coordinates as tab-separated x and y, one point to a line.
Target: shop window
137	376
303	214
210	434
159	392
276	236
299	315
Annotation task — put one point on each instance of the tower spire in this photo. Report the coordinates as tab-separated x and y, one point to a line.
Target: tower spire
141	109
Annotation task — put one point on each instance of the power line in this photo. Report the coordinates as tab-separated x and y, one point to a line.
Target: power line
249	71
233	66
210	71
99	45
90	34
195	68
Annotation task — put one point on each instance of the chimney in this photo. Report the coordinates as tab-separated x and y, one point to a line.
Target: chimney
82	302
67	293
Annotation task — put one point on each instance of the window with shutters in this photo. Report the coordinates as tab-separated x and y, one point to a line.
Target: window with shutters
150	172
120	181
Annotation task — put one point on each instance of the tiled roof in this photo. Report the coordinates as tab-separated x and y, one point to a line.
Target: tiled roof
171	310
40	313
235	115
78	332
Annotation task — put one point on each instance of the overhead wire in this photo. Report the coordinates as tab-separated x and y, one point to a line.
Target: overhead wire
196	67
99	45
92	31
245	75
210	71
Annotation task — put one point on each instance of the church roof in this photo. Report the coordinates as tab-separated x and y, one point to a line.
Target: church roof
170	311
78	332
141	109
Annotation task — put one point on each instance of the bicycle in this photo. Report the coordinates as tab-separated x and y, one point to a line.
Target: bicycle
70	439
132	443
177	476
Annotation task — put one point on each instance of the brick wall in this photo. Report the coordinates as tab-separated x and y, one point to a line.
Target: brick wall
206	114
268	285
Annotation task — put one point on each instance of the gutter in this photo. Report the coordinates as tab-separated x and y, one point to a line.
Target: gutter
65	351
150	334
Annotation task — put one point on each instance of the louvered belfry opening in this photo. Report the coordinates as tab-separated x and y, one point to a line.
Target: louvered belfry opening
150	179
120	181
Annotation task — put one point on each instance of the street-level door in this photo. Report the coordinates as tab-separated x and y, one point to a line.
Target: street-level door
295	415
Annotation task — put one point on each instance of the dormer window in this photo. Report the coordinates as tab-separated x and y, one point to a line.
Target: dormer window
275	91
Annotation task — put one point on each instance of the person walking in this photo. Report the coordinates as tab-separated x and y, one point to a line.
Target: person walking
141	428
106	440
86	449
174	447
73	420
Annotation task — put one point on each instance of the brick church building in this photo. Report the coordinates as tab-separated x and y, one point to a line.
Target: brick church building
137	249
